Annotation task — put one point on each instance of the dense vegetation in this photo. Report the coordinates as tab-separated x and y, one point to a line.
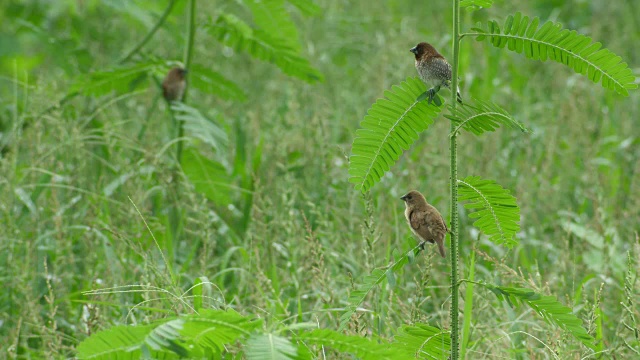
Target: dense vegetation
102	226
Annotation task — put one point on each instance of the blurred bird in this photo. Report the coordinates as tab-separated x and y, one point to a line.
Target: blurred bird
425	220
433	69
174	84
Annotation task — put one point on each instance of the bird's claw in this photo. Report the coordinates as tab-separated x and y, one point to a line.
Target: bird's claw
432	97
430	94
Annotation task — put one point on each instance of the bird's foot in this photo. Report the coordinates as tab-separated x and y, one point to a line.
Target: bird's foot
432	96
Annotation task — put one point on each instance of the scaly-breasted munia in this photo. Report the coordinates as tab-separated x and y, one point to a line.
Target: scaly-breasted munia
425	220
174	84
433	68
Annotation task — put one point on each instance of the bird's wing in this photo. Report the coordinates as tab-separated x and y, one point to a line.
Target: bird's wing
417	218
444	223
446	68
435	219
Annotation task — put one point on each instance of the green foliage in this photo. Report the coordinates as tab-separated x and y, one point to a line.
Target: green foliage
209	177
476	4
211	82
269	346
220	182
468	304
361	347
164	336
550	41
234	32
376	277
65	180
272	17
307	7
548	307
121	80
484	116
122	342
200	127
498	214
193	336
423	341
390	127
212	329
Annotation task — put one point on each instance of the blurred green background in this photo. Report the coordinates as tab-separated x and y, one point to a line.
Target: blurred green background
300	234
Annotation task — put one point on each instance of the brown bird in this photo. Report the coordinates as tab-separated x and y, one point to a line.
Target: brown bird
174	84
425	220
433	69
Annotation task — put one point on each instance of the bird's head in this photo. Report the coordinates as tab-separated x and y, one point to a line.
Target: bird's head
424	50
413	197
178	73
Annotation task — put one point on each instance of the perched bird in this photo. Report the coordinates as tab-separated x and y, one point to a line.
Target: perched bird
433	68
174	84
425	220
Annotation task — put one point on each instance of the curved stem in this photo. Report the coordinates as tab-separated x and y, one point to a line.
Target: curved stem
453	150
149	35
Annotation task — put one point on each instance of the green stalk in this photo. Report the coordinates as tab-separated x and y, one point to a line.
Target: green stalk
188	53
177	214
453	149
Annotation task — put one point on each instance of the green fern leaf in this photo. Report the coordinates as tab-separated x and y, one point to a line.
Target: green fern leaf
120	342
551	42
361	347
376	277
499	214
200	127
548	307
269	346
272	17
165	336
209	177
120	80
307	7
209	331
476	4
237	34
483	117
211	82
391	126
424	341
212	329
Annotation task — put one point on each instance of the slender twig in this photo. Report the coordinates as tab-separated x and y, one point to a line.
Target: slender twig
455	347
176	212
149	35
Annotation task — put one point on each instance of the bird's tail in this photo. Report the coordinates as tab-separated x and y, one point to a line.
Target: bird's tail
459	97
441	248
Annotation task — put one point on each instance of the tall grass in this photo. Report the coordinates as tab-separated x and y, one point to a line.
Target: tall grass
66	179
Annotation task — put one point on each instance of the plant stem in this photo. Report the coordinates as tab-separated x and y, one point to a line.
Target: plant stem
453	149
188	53
149	35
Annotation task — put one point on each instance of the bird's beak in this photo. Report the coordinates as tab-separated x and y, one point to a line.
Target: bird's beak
414	50
403	198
